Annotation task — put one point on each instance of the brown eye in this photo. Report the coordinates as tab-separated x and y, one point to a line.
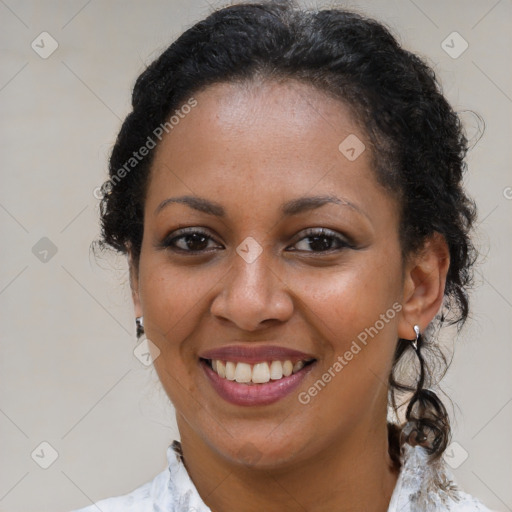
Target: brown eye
190	240
322	240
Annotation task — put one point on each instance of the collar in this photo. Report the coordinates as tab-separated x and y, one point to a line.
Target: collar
421	485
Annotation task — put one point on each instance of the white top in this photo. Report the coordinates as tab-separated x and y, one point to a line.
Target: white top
420	488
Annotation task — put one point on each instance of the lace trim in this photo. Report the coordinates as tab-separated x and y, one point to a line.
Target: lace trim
428	484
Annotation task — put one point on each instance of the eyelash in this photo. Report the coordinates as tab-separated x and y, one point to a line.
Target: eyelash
168	243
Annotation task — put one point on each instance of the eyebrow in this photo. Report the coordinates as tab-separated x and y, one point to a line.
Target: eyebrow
293	207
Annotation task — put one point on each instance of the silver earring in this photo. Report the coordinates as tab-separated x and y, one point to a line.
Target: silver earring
139	322
414	343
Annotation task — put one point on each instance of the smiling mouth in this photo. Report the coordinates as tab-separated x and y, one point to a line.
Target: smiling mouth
258	373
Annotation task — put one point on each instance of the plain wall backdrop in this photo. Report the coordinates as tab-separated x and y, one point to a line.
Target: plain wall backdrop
69	378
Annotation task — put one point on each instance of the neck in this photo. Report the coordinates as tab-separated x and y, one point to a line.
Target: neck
353	475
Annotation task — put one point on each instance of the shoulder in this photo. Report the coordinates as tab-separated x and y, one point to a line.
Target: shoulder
468	503
139	500
171	490
429	486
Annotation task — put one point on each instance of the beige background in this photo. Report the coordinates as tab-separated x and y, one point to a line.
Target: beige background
68	374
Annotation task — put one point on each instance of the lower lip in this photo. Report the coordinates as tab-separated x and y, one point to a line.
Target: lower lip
256	394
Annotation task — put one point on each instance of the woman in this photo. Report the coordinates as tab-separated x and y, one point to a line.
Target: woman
288	192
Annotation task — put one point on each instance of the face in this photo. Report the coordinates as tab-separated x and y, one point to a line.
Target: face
250	272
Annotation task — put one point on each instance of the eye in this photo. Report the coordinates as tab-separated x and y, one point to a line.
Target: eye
194	240
190	240
322	240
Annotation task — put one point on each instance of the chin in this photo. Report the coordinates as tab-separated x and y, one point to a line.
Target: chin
258	452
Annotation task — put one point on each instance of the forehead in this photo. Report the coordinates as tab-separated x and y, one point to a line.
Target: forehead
262	141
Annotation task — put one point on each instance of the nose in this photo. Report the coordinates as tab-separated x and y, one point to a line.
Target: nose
253	295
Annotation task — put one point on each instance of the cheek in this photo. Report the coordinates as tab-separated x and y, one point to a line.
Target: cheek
172	299
349	300
355	311
170	303
173	296
354	314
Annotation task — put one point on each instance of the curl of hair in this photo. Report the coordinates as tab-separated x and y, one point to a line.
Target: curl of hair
417	141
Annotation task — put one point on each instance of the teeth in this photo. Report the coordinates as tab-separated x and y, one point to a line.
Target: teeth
220	369
259	373
298	366
276	370
287	368
243	372
230	370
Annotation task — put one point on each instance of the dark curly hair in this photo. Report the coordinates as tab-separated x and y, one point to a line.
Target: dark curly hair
417	143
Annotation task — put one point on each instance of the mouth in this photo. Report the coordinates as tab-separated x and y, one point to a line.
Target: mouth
250	378
258	373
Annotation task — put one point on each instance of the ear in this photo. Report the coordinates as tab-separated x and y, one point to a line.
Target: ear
424	284
134	282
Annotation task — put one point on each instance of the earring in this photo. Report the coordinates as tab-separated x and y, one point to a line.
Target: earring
139	322
414	343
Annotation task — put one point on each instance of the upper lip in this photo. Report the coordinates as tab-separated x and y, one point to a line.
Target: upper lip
252	355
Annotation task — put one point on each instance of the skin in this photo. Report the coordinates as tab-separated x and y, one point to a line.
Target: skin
252	148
